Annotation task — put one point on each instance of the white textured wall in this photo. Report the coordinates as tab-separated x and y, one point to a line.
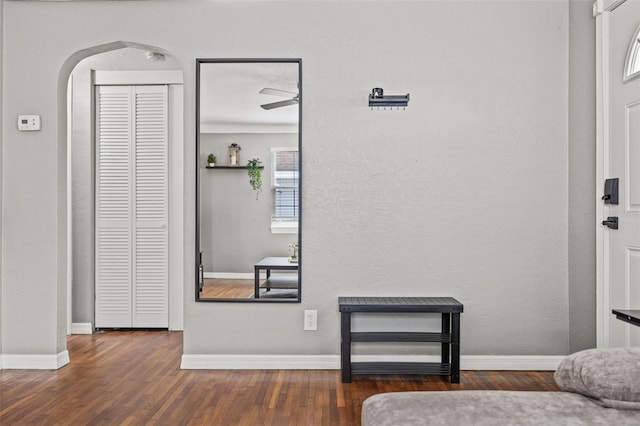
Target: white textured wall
1	164
451	197
582	176
30	227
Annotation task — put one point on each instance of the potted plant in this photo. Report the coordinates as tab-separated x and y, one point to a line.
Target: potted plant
254	169
293	248
211	159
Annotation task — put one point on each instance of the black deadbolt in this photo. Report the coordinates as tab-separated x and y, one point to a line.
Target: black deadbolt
611	222
610	191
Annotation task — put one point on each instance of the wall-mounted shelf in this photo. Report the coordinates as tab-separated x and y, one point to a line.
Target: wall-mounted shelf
378	99
229	167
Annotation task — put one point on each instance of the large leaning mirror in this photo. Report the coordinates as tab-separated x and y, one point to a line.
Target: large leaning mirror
248	153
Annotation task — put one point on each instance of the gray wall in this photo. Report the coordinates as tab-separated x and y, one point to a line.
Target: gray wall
447	197
450	197
582	176
82	137
1	67
30	229
235	227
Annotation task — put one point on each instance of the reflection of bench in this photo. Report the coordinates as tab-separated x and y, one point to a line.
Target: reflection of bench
281	281
272	263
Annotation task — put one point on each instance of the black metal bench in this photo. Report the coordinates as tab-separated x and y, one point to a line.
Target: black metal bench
449	336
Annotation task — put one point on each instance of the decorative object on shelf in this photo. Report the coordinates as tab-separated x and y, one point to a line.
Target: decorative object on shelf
378	99
211	159
254	169
293	248
234	154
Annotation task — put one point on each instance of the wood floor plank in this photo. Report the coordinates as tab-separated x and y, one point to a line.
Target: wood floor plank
220	288
134	378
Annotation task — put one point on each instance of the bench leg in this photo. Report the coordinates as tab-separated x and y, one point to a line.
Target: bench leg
455	348
256	282
446	327
345	346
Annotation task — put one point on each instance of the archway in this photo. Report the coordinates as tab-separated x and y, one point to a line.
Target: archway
67	262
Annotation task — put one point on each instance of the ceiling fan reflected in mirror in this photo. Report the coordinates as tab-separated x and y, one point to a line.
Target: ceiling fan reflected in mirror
280	93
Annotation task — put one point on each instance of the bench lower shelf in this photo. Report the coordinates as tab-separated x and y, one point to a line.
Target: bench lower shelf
396	336
281	281
429	368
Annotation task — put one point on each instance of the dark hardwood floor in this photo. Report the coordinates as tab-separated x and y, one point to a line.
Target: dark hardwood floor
134	377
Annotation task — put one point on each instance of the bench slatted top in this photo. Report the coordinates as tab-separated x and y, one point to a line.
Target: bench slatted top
276	263
631	316
399	304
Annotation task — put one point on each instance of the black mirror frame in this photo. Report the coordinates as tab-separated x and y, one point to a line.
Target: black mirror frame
199	62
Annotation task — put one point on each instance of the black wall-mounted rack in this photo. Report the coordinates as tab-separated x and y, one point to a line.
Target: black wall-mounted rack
378	99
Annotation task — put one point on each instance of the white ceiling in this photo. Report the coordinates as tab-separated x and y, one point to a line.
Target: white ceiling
230	97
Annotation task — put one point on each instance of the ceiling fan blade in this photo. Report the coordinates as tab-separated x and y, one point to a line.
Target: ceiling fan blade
280	104
277	92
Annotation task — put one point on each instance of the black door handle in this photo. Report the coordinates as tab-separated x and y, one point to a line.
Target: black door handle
611	222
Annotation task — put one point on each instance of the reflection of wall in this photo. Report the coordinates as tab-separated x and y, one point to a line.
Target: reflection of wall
234	226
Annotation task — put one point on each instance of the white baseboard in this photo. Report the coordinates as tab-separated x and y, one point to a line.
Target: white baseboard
229	275
511	362
81	328
260	362
332	362
35	362
233	275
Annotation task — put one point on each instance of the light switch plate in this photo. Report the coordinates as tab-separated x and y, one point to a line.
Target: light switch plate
28	123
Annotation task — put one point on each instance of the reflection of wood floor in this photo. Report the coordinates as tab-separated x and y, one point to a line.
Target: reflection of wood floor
217	288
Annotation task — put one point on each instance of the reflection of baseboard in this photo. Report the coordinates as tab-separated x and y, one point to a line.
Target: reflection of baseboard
332	362
233	275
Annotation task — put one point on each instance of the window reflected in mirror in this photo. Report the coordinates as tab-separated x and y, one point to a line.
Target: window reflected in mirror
248	180
285	181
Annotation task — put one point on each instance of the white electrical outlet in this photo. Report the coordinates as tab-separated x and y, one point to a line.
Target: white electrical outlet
310	320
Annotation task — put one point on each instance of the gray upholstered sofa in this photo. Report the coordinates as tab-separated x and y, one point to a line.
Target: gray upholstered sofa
599	387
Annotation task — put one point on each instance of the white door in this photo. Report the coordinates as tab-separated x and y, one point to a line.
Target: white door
131	206
621	133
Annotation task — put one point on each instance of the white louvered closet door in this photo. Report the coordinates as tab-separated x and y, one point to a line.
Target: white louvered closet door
113	207
132	206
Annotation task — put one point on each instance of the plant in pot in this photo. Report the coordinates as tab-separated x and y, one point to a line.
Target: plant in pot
211	159
254	169
293	248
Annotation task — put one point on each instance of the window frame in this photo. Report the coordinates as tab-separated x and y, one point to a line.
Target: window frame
283	225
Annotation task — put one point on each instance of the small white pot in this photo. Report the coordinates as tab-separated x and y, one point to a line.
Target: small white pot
212	164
